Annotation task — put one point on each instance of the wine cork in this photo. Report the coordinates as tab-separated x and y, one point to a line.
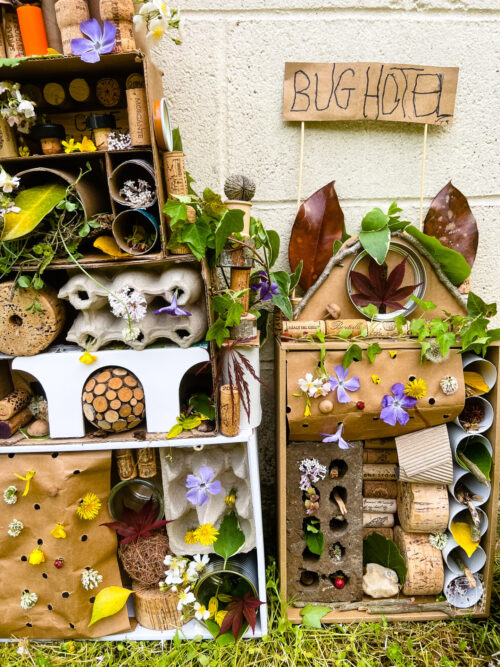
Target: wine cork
175	173
380	456
382	505
51	145
69	15
101	136
368	329
240	280
247	328
3	52
423	508
146	462
156	609
138	117
377	520
380	489
424	563
12	425
14	403
125	464
121	14
229	411
379	471
297	329
8	144
385	532
12	34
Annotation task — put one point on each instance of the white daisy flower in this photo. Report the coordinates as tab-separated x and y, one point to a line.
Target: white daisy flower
185	597
201	612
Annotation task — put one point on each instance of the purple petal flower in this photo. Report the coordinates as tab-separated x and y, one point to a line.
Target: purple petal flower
173	309
201	485
267	289
394	407
342	385
336	437
99	40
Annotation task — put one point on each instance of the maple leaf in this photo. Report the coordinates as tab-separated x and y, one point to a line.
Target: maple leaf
136	525
237	610
380	289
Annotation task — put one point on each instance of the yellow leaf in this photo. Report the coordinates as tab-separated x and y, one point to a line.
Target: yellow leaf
108	602
35	203
476	382
461	534
109	246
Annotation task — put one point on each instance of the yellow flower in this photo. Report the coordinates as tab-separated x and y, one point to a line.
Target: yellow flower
219	617
393	353
375	379
89	507
230	500
307	410
87	358
190	537
206	534
28	477
70	146
70	646
23	151
58	532
86	145
213	606
416	388
36	557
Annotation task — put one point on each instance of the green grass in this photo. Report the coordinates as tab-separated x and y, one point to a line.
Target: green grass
442	643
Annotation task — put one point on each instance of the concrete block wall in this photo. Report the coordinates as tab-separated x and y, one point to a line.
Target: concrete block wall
225	82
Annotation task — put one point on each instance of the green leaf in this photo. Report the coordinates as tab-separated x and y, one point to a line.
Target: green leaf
315	542
35	203
425	305
196	235
213	205
424	346
295	277
393	209
417	325
176	211
476	306
336	247
445	341
37	283
376	243
282	300
230	223
175	431
452	263
438	327
370	311
476	453
273	246
312	615
10	62
379	549
234	313
24	281
372	350
374	221
202	404
400	321
230	538
218	332
353	352
344	333
176	140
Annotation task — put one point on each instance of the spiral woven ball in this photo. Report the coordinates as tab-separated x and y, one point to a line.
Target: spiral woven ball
239	187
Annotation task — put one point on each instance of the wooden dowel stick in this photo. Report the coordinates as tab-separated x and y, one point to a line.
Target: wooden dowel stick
301	164
422	179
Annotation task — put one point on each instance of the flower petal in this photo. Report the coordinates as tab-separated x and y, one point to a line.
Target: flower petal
388	415
80	45
192	482
206	474
90	57
401	415
108	37
408	401
387	401
342	395
214	488
333	383
92	29
342	373
353	384
398	390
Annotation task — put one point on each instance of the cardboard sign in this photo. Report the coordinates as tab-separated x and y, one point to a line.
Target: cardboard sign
369	91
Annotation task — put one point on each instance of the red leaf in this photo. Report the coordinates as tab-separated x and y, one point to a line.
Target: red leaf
319	223
135	525
363	284
238	609
450	220
396	276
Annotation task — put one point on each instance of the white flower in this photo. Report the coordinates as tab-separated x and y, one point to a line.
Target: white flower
201	612
147	8
8	183
307	385
15	528
28	600
439	540
185	598
200	562
130	334
173	576
322	388
10	495
90	578
128	299
26	107
5	85
139	22
157	28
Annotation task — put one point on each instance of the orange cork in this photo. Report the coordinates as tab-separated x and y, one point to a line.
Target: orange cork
32	30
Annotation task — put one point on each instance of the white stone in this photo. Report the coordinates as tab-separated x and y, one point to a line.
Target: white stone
380	581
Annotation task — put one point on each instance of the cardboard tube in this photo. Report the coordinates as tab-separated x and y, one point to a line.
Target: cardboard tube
229	411
379	471
12	425
14	403
138	117
12	34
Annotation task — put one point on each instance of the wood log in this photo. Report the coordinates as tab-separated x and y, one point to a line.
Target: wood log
425	572
386	532
379	471
380	489
156	609
383	505
229	411
240	280
14	403
377	520
423	508
12	425
380	456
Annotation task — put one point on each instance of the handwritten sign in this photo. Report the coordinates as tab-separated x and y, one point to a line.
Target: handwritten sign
369	91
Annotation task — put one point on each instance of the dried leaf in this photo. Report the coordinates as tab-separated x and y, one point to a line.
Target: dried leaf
450	220
475	382
319	223
382	290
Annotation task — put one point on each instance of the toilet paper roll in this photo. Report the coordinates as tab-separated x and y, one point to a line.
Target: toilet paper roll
458	591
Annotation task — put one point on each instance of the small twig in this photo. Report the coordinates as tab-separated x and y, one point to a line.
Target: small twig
340	503
403	609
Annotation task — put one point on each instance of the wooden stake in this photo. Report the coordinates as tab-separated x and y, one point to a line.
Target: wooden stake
422	179
301	164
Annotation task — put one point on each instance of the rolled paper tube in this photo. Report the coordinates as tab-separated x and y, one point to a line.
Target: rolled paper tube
424	563
69	14
229	411
125	464
385	532
240	281
380	456
382	505
51	28
379	471
138	117
423	508
14	403
380	489
12	425
12	34
297	328
146	462
377	520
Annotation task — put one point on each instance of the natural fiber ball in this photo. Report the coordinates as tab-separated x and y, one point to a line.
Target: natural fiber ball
113	400
239	187
143	560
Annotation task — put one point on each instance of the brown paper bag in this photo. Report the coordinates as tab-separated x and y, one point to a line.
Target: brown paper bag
64	607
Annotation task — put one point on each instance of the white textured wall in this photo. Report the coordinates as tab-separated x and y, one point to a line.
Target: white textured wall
225	86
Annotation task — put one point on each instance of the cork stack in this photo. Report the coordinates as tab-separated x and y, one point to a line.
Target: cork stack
379	488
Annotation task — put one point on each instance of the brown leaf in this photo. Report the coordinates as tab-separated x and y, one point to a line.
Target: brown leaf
450	220
319	223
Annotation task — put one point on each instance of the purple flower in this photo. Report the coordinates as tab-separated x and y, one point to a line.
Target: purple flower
267	289
173	309
394	406
201	485
342	385
99	40
336	437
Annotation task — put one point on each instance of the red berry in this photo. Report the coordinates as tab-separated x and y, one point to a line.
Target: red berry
59	562
339	582
360	405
